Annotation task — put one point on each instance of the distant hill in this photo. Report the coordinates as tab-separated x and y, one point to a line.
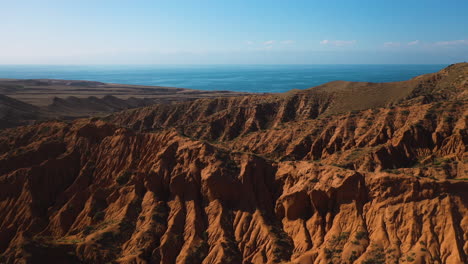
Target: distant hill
44	99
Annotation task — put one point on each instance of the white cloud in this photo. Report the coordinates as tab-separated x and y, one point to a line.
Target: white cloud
452	42
248	42
288	42
269	42
338	43
412	43
392	44
344	42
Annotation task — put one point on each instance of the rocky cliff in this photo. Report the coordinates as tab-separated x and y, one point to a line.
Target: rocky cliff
341	173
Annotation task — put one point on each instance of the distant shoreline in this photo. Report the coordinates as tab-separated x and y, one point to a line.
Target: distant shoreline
238	78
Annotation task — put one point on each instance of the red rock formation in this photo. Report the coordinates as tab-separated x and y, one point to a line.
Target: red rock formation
262	179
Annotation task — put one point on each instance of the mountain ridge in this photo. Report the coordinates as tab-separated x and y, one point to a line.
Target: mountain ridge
294	177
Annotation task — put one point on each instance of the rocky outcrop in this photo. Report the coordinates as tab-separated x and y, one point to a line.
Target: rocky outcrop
109	193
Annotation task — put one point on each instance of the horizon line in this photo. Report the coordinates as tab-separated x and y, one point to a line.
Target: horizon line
217	64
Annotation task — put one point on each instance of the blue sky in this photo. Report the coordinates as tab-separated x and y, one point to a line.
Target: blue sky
233	32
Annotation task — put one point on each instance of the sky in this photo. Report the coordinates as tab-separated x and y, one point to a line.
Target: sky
233	31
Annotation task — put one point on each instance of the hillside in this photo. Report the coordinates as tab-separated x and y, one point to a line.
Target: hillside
30	101
340	173
14	112
42	92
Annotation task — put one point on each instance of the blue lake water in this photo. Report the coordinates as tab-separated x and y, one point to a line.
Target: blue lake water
244	78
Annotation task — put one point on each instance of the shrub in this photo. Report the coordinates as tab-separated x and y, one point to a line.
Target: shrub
430	114
231	165
277	252
160	214
343	236
353	257
449	119
376	256
87	230
197	253
44	130
98	216
107	237
360	235
126	225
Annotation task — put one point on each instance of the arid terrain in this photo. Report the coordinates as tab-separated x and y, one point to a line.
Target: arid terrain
30	101
345	172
